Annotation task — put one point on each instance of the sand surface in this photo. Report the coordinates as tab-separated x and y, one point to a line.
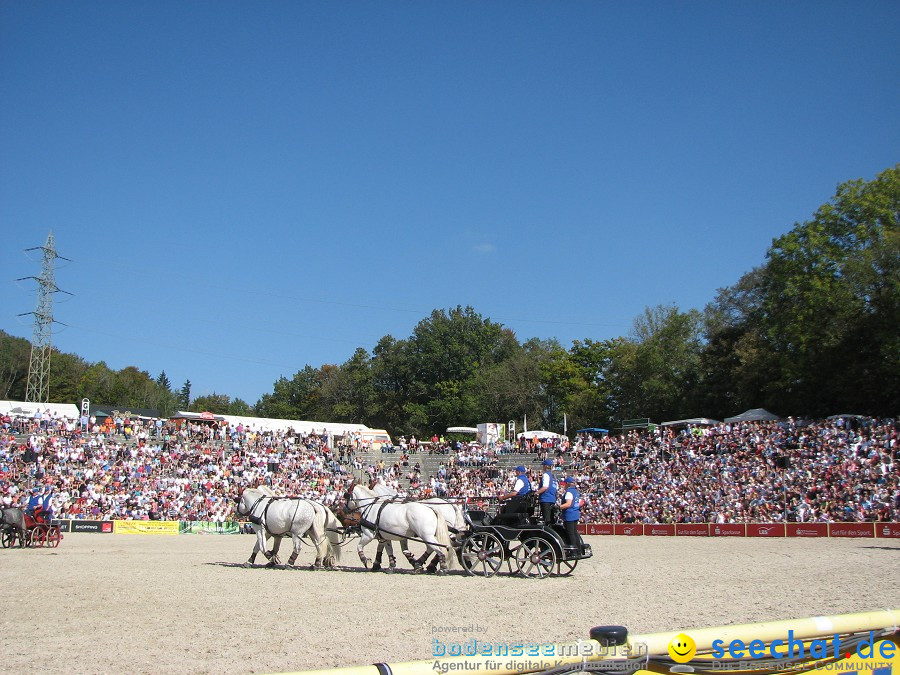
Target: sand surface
184	604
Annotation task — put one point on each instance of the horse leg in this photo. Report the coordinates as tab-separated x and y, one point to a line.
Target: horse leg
417	567
364	539
273	555
392	561
376	566
296	540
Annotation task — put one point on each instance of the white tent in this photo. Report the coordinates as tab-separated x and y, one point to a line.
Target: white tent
462	430
694	420
538	434
64	410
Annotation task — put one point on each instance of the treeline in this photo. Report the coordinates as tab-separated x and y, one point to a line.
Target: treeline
814	330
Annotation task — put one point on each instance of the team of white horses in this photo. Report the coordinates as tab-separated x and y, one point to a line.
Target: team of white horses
378	512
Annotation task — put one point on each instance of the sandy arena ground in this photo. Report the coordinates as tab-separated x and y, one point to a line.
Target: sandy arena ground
183	604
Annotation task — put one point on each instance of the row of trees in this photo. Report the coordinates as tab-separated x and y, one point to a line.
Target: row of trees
812	331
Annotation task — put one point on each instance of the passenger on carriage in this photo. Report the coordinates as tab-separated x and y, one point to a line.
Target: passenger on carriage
571	508
511	513
547	493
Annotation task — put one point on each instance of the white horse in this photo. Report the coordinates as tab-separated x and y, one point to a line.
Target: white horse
280	517
393	521
451	512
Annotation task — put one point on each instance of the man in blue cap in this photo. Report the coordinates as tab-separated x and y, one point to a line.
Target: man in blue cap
547	492
571	508
511	513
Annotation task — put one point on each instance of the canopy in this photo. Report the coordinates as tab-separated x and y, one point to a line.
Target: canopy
462	430
753	415
539	434
694	420
593	430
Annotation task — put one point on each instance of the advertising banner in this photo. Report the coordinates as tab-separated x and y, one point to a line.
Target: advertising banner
63	525
599	528
692	529
630	529
727	530
205	527
145	527
887	530
866	530
765	529
96	526
807	529
659	530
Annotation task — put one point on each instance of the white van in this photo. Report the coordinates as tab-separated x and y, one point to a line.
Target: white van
374	438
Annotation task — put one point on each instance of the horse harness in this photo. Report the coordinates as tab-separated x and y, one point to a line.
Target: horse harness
376	527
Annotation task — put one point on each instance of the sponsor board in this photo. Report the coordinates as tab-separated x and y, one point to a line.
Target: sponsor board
887	530
765	529
95	526
657	530
866	530
727	530
146	527
807	529
599	528
692	529
630	529
205	527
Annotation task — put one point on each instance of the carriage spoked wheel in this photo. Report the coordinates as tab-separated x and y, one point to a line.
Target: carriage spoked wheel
536	558
54	535
566	567
482	554
9	538
36	537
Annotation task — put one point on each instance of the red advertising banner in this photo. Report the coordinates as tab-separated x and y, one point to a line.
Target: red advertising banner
630	529
765	529
659	530
727	530
887	530
600	528
866	530
807	529
692	529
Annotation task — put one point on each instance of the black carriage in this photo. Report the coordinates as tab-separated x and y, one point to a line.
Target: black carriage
528	546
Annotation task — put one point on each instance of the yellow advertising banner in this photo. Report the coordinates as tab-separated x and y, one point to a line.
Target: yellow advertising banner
145	526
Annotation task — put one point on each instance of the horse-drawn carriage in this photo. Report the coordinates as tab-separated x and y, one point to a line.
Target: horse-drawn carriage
482	543
528	546
28	530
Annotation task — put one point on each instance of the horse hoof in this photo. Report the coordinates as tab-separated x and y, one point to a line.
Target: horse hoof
247	565
440	573
376	567
389	570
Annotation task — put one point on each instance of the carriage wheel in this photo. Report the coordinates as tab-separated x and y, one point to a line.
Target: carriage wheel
9	538
482	554
536	558
566	567
35	537
53	536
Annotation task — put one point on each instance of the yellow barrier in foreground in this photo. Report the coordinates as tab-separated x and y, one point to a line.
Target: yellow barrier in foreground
657	644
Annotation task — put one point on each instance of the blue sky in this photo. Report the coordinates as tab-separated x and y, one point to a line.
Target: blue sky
247	188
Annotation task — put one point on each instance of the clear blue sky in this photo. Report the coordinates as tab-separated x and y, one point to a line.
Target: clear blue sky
247	188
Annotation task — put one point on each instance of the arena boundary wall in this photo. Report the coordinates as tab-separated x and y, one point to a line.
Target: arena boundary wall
837	530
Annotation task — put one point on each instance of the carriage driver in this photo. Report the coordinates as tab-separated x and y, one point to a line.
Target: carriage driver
571	508
547	492
510	513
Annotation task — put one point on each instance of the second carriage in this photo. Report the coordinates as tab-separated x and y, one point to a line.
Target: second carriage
528	547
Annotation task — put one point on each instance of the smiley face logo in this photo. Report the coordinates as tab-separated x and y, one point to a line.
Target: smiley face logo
682	648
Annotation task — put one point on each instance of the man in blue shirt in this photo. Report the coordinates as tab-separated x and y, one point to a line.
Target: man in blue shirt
571	508
511	513
547	492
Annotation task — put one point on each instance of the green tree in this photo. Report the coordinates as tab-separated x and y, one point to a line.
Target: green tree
162	381
184	396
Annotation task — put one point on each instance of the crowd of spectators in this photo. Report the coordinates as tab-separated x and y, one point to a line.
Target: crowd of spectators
824	470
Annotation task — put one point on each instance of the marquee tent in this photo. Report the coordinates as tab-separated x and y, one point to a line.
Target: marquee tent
754	415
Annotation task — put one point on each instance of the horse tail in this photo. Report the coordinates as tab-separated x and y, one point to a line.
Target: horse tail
442	534
333	533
